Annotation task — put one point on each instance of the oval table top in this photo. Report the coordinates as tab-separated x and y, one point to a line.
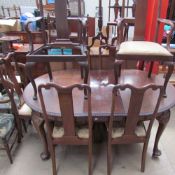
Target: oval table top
101	83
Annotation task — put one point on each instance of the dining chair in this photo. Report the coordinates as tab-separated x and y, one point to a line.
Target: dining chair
77	29
145	51
133	130
68	132
101	51
14	91
9	132
76	7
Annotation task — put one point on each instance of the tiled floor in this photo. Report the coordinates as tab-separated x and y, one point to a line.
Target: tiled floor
73	160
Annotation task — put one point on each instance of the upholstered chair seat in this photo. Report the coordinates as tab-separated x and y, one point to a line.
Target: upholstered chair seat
143	48
95	51
119	131
81	132
6	124
25	110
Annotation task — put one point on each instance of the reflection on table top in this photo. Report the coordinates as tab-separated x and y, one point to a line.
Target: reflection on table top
101	83
9	38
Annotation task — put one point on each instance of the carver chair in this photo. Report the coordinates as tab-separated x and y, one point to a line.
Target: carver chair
77	29
99	52
132	129
66	132
146	51
20	110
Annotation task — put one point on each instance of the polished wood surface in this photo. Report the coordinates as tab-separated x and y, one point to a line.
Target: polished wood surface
25	48
132	121
101	83
10	38
36	36
64	94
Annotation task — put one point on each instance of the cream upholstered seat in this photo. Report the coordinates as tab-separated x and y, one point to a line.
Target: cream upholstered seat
95	51
18	79
25	110
119	131
142	48
82	132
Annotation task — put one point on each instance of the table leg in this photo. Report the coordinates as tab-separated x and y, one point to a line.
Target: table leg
163	120
117	70
86	73
167	76
49	71
38	123
28	68
150	69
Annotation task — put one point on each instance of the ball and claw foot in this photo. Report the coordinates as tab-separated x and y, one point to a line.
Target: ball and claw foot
44	156
156	153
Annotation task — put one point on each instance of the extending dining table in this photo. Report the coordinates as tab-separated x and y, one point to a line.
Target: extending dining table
102	83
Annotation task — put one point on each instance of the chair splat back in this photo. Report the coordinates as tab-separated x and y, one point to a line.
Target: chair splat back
67	113
66	106
135	105
9	81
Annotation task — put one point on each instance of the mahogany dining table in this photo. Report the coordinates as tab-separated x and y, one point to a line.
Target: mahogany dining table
101	83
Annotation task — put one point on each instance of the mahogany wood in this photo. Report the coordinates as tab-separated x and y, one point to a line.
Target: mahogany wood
132	120
12	87
65	98
101	83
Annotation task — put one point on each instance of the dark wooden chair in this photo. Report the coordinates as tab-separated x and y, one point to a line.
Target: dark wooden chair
68	133
145	51
76	7
106	51
123	11
77	29
133	130
13	89
8	129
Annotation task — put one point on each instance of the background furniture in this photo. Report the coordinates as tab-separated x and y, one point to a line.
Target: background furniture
8	131
11	12
7	75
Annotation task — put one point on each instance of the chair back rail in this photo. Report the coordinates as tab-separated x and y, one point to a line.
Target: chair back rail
66	107
135	105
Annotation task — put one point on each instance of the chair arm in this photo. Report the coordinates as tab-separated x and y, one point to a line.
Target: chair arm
170	33
31	48
119	23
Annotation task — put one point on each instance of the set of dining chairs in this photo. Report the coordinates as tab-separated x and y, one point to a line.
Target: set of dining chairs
17	114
